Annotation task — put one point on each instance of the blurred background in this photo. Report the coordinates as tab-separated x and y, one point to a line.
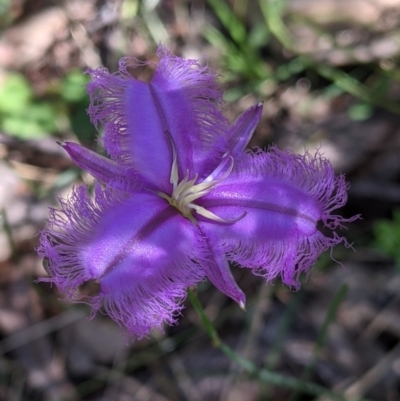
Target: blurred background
328	73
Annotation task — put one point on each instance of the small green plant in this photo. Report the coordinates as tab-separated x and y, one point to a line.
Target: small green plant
21	114
28	116
387	237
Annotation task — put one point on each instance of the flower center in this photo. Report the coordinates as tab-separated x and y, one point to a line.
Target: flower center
186	191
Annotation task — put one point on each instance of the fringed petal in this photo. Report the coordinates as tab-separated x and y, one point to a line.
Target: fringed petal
190	97
138	249
182	100
134	127
68	228
284	196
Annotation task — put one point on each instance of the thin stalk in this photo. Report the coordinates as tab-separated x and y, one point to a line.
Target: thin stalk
329	318
263	375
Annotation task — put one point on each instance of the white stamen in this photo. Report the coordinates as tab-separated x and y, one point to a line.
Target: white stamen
184	193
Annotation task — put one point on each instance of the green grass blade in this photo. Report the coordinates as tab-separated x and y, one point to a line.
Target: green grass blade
229	20
272	16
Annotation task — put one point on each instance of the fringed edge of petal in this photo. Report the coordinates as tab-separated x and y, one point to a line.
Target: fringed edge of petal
67	229
107	108
202	88
285	259
137	311
312	174
198	83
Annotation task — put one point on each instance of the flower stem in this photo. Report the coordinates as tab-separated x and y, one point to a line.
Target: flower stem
207	324
263	375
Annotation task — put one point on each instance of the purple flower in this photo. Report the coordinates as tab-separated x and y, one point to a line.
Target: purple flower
180	197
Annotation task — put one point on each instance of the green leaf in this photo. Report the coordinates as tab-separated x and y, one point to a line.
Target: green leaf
35	121
229	20
73	86
81	125
360	111
387	237
15	93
